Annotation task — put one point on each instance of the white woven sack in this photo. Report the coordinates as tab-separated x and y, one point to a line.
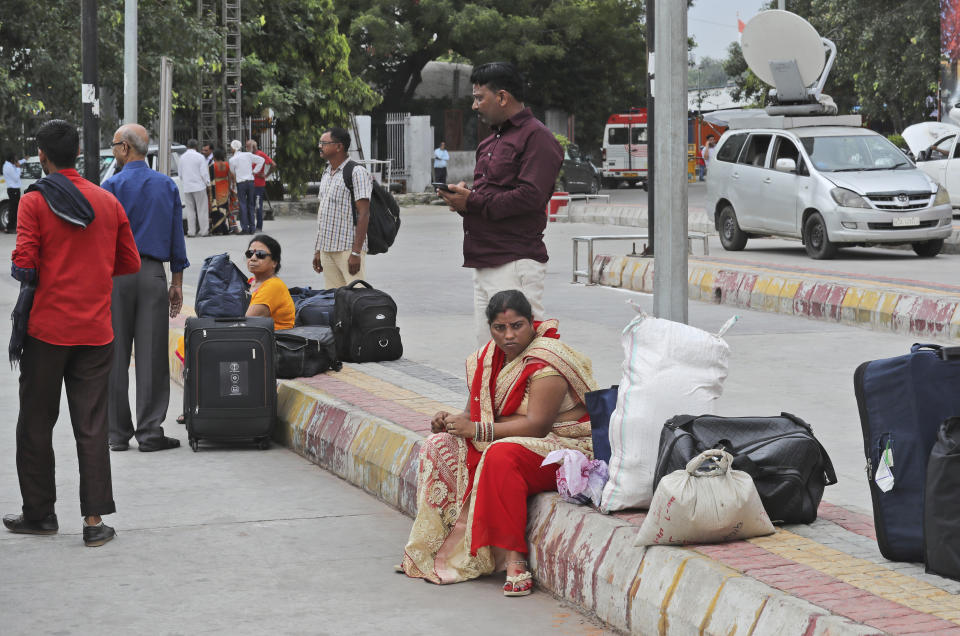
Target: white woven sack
705	503
669	368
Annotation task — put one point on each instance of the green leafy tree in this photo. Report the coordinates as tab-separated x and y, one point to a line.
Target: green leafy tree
298	65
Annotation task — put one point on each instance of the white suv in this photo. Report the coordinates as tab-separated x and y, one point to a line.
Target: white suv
830	186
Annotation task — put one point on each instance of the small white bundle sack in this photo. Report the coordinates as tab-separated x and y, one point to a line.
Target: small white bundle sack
669	368
705	504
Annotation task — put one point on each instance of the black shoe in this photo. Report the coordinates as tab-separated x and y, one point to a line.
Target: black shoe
97	535
119	446
163	444
16	523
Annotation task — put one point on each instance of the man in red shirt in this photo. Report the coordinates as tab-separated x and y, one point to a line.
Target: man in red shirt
73	238
260	179
504	216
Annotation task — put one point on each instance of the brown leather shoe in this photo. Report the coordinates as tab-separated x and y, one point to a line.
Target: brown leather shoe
17	523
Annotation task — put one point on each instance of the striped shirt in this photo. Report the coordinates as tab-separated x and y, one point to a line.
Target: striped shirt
335	228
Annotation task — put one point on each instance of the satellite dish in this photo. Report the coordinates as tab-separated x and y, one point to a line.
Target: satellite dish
781	35
785	51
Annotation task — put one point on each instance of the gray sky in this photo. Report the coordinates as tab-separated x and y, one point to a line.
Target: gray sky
713	24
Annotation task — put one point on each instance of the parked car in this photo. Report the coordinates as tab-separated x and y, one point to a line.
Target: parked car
30	171
830	186
934	144
578	173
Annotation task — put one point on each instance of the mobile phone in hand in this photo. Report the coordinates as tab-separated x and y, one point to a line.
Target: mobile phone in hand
441	186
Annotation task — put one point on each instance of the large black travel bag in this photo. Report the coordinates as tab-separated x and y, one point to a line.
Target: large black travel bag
315	309
303	352
941	506
222	289
903	401
365	324
788	464
230	385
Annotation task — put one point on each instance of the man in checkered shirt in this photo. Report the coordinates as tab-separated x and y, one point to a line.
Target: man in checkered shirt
341	247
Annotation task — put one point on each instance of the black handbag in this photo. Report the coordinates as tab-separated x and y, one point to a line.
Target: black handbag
788	464
941	511
305	351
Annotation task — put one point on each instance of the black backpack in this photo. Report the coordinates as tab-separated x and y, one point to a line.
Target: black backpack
384	214
365	324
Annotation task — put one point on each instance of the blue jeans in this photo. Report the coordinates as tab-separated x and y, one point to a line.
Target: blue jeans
260	192
248	205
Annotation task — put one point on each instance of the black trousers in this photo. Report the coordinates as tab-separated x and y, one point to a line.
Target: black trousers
440	175
85	370
13	194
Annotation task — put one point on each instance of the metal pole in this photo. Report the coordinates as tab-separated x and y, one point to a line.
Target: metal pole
166	114
651	47
670	275
89	91
130	61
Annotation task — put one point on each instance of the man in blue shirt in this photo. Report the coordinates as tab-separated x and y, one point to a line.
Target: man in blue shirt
440	159
141	303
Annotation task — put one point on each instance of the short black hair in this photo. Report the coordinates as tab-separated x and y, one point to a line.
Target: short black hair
219	154
509	299
340	135
193	143
60	141
9	156
499	76
271	244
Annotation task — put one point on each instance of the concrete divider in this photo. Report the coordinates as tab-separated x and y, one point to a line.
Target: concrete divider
913	310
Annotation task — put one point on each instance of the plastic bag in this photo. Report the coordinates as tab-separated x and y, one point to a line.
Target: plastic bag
705	503
579	480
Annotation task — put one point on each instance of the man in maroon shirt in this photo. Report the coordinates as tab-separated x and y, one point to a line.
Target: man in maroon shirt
73	238
504	215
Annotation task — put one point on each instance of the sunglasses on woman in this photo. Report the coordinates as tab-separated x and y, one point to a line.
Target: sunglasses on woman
261	254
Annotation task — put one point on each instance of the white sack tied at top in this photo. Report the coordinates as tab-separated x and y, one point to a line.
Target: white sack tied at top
669	368
707	502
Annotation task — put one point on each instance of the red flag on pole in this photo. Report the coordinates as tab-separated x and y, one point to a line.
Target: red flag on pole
740	24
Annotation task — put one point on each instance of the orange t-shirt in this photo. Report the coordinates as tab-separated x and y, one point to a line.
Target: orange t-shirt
274	294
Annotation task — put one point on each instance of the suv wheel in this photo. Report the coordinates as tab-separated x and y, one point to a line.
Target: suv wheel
595	186
731	236
928	249
4	215
815	239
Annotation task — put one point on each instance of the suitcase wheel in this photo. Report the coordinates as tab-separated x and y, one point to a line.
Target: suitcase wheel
264	443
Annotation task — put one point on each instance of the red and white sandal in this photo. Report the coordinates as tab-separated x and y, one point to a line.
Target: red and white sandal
519	585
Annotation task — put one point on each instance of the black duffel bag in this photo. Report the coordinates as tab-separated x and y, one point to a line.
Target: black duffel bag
789	466
305	351
941	510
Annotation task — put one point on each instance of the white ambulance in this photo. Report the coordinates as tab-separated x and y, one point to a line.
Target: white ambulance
625	149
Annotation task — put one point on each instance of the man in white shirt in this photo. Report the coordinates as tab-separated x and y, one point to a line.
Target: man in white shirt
11	173
440	159
243	165
194	183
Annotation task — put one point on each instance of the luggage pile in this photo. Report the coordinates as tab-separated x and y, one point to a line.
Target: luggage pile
232	362
704	478
909	408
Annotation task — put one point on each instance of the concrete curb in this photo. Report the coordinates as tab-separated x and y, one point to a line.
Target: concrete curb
919	311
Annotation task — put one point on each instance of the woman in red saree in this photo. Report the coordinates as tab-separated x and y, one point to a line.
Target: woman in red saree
478	468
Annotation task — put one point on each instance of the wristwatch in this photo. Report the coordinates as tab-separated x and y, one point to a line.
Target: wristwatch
354	253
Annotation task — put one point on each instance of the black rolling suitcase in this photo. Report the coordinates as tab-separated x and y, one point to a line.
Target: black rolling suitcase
903	401
230	386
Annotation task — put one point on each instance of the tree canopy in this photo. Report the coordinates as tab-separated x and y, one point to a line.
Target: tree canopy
584	56
887	58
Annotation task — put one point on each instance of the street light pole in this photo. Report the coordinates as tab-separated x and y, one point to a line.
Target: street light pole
651	47
670	275
89	91
130	61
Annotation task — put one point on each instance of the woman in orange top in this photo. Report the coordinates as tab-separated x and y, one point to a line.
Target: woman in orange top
268	294
221	182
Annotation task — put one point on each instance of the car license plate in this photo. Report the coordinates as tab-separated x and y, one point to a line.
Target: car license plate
630	174
906	221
